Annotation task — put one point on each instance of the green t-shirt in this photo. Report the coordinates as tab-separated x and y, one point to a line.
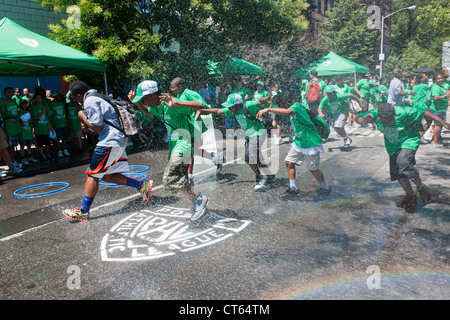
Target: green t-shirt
364	87
59	119
306	134
335	106
251	126
343	88
190	95
11	126
404	133
179	125
420	99
26	129
243	92
440	105
72	116
382	97
261	94
41	125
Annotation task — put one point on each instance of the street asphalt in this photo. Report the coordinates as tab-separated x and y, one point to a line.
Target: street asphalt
249	246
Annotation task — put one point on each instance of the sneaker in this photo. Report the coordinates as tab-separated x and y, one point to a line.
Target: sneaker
17	165
25	162
60	154
49	157
437	145
76	214
409	203
2	174
44	159
199	207
260	184
347	142
146	190
423	141
32	159
66	153
14	170
290	193
425	194
219	164
271	183
322	194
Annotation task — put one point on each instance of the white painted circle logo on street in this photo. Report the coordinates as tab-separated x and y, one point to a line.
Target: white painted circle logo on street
29	42
163	232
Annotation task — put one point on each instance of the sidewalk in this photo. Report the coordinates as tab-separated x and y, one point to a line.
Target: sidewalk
75	159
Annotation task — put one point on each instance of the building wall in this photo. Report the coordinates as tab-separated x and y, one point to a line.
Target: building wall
31	15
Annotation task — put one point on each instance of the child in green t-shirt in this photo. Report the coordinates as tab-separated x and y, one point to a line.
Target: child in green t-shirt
42	121
59	121
74	123
26	134
11	126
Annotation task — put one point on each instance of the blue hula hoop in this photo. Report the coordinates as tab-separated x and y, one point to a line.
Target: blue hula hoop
140	167
106	184
64	185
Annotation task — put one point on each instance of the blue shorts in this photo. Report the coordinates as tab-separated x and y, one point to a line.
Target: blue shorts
61	133
441	115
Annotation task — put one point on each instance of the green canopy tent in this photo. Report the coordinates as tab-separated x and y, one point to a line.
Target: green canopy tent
24	53
234	66
332	64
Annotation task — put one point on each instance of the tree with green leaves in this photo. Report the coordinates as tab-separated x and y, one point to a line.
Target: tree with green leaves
123	33
345	32
417	35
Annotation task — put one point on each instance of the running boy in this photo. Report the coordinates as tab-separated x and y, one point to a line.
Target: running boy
306	147
254	131
176	115
109	159
401	128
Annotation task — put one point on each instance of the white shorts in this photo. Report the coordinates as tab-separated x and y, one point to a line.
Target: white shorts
312	161
339	120
108	160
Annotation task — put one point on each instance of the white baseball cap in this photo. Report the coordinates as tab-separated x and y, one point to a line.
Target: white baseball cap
145	88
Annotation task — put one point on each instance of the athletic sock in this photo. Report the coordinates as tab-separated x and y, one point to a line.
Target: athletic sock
324	185
86	205
134	183
292	184
190	175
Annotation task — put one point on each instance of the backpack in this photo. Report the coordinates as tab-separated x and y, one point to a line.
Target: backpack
128	120
266	120
314	92
319	124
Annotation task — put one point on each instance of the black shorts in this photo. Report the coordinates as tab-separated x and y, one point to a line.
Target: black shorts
42	140
403	164
253	147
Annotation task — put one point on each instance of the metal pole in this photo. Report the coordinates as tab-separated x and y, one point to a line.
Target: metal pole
381	47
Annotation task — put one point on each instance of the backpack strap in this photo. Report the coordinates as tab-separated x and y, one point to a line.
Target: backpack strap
108	99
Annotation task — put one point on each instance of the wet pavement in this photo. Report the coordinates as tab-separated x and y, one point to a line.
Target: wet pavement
250	246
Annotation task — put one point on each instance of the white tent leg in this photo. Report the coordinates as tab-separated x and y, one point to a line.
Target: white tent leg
106	84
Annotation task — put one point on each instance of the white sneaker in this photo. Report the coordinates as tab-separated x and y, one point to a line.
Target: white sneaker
60	154
347	142
260	184
66	153
199	207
